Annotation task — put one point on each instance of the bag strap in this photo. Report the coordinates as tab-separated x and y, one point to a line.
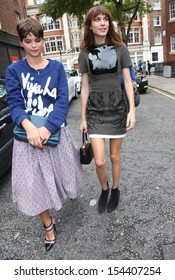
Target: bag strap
84	137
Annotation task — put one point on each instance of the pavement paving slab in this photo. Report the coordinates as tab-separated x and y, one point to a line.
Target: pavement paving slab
162	83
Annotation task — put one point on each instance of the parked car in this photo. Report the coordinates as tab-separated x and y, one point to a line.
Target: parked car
6	131
73	93
77	77
141	83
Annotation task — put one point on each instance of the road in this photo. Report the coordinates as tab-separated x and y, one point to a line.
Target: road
142	227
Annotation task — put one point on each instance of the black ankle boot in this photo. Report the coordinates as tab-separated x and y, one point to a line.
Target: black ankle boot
102	203
114	200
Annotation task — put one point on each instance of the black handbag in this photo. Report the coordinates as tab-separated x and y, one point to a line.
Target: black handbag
136	97
19	132
86	153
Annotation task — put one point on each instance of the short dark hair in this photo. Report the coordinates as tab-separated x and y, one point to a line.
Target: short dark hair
29	25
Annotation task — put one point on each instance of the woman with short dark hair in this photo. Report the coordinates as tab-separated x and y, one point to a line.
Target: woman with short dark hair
41	175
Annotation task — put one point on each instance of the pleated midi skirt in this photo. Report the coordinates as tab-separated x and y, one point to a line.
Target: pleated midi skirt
42	179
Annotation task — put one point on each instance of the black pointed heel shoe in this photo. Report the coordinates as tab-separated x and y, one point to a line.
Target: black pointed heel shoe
50	243
102	203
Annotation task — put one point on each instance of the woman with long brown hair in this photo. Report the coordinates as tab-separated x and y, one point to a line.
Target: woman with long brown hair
104	115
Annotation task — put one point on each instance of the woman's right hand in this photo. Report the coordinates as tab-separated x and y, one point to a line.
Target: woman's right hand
34	137
33	134
83	126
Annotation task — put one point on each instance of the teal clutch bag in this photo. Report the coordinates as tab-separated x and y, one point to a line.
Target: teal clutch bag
19	132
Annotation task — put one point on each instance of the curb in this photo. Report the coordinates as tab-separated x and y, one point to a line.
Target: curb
167	92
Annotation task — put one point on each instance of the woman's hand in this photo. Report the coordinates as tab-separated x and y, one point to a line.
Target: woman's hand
83	126
44	134
33	136
131	120
84	99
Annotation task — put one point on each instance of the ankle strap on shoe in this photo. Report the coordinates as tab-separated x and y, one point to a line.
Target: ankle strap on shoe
50	227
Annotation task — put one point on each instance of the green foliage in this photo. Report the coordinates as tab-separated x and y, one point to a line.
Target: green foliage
123	11
112	8
126	11
56	8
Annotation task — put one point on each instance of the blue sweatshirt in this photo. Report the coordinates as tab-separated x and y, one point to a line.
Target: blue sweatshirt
37	92
132	74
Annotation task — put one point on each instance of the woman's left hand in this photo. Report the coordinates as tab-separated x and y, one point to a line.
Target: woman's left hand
44	134
131	120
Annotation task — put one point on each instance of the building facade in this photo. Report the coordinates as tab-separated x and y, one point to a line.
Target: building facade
61	37
155	32
168	32
10	13
10	48
151	37
138	43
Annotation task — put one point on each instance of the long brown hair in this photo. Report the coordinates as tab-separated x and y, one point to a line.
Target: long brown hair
112	36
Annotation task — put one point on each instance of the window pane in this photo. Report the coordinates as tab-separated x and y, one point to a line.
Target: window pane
73	22
134	36
172	9
48	23
156	4
155	56
130	38
75	36
53	44
59	43
17	17
172	40
157	21
57	24
157	39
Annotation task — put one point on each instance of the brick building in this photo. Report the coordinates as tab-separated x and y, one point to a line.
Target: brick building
10	13
157	36
155	32
151	38
10	49
138	43
168	31
61	37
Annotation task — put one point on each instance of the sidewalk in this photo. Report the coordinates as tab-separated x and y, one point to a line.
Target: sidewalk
162	83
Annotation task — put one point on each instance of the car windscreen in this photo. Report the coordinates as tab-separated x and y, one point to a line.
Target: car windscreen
3	101
2	89
73	73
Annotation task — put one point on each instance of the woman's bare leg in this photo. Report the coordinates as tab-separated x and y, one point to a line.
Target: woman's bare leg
98	146
115	150
46	218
